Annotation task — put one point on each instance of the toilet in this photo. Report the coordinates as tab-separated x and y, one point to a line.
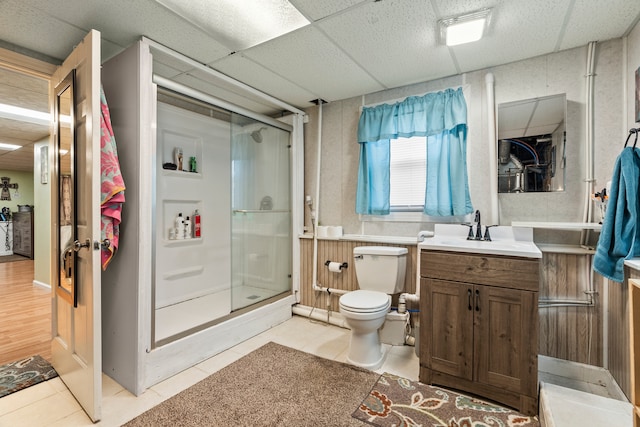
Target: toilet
380	271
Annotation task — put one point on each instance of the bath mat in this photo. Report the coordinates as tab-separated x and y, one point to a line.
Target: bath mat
24	373
272	386
397	401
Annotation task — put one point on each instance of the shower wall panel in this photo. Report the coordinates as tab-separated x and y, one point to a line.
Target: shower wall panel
193	276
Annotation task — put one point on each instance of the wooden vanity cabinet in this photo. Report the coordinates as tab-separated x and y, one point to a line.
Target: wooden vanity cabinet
479	325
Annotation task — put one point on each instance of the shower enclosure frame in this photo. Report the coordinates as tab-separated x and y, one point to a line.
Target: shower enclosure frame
129	354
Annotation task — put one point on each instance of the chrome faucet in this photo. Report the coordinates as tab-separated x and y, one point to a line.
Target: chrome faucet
478	226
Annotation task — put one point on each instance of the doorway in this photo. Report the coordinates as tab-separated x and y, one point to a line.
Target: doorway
25	301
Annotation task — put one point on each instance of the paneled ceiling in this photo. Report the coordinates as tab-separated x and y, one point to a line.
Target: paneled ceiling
349	47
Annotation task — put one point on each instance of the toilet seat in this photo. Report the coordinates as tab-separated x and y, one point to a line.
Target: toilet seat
363	301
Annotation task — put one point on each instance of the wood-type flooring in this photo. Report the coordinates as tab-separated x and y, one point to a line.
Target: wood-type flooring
25	314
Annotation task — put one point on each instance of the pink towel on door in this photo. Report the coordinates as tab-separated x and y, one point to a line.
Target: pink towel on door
112	185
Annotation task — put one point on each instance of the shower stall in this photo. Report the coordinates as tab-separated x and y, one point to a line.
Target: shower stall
173	296
233	172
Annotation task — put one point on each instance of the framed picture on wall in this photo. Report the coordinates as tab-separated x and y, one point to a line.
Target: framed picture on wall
44	164
637	97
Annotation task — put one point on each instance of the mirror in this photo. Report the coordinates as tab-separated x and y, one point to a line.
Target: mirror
531	145
64	118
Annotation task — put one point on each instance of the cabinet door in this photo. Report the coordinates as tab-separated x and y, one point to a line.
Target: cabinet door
506	338
449	338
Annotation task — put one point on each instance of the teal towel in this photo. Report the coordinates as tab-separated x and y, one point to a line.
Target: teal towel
620	230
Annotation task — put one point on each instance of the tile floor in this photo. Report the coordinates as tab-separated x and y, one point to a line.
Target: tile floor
50	403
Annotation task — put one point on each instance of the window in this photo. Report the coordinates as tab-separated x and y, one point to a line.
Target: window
442	118
408	174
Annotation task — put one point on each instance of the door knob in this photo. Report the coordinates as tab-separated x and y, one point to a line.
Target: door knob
77	245
104	244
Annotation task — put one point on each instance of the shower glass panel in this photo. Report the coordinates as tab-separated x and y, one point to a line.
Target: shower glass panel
261	212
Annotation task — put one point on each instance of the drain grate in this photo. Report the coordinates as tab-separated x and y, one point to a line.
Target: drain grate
253	297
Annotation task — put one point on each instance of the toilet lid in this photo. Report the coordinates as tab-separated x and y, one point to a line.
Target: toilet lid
365	301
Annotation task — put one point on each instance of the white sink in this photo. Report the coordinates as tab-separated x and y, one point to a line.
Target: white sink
509	241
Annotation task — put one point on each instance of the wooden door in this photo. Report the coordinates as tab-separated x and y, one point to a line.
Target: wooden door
448	346
76	315
506	339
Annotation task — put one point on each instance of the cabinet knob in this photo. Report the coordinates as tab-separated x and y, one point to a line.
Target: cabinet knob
477	300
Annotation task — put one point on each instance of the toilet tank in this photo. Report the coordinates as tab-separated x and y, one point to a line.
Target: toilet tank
380	268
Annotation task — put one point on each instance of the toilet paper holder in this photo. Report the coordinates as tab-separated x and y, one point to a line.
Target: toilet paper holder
343	265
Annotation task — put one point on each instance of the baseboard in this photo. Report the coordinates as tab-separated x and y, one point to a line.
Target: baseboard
42	284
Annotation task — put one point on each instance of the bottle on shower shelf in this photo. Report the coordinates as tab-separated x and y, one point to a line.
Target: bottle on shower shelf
196	224
179	226
177	154
187	228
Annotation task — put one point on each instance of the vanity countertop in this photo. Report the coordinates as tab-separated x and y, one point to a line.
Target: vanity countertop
507	241
548	225
633	263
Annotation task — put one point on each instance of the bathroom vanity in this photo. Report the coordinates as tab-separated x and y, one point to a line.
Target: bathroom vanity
479	315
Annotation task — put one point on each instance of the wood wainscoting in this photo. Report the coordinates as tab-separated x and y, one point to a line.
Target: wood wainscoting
341	251
569	333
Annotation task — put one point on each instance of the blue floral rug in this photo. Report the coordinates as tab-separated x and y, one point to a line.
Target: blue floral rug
397	401
24	373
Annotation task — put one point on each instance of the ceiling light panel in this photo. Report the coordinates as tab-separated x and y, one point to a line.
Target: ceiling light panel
240	25
463	29
9	147
24	115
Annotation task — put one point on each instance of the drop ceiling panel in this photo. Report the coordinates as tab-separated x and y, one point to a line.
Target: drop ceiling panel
266	81
448	8
519	29
28	27
239	25
595	18
122	22
313	62
316	10
397	46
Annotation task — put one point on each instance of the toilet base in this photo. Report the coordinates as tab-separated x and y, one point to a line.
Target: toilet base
366	351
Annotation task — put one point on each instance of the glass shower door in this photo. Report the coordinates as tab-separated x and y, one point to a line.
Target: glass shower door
261	212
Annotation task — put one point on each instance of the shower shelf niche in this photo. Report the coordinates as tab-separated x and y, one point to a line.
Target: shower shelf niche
181	174
182	242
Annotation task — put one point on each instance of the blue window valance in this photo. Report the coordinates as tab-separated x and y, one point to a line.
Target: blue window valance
442	118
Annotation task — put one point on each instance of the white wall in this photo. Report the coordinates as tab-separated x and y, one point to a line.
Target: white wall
633	63
562	72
